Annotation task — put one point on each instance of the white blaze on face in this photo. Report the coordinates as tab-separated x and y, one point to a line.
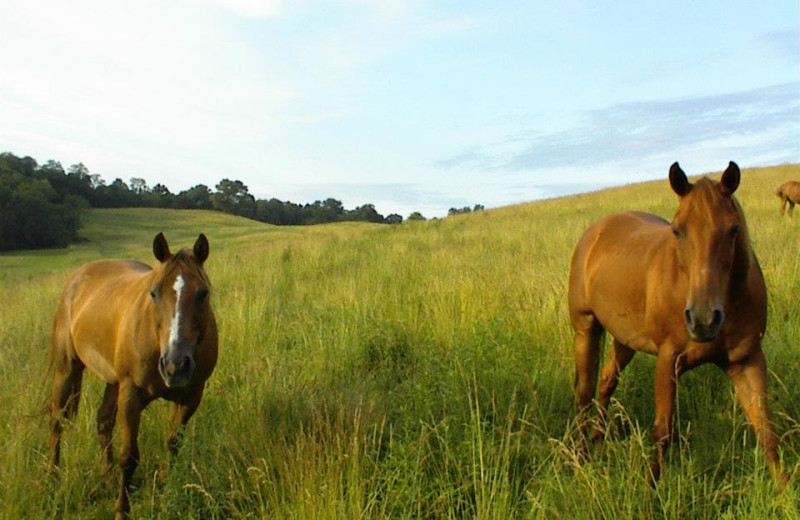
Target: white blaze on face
176	315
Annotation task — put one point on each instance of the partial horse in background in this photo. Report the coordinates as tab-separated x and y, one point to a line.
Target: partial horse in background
789	193
689	292
148	333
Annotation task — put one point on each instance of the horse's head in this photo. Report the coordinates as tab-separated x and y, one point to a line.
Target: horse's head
707	226
180	295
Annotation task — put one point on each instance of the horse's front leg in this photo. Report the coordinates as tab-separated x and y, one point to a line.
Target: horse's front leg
749	377
666	382
130	404
179	414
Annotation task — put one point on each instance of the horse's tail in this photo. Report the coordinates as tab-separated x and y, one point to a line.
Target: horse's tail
43	407
59	327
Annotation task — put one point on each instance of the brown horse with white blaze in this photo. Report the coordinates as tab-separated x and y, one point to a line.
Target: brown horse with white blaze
689	292
148	333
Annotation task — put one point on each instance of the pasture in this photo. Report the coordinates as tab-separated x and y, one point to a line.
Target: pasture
415	371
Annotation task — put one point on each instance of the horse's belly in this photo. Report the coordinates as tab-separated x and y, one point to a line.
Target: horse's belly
627	329
94	338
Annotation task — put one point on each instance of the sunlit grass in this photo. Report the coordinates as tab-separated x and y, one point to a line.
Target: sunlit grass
413	371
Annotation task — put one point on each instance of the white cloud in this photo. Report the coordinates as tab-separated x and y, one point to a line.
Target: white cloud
246	8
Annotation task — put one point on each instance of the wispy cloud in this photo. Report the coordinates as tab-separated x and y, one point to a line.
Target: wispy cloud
784	44
631	132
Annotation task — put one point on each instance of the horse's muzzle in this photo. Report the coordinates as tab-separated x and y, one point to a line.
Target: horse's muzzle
703	327
176	370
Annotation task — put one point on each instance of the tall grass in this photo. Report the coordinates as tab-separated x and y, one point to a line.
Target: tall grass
414	371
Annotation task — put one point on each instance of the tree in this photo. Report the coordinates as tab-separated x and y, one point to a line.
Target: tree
459	211
79	182
365	213
79	171
329	210
115	195
96	181
233	197
51	169
394	218
160	197
415	216
197	197
26	166
139	186
31	215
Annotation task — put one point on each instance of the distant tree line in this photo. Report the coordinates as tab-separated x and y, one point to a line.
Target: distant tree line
465	209
41	205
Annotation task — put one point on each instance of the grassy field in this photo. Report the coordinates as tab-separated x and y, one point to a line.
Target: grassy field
413	371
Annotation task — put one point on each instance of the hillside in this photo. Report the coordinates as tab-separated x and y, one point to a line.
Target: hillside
419	370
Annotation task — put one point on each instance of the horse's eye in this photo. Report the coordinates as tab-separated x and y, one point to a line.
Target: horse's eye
153	293
676	231
202	294
735	231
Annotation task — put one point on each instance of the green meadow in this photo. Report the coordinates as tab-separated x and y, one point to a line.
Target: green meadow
394	372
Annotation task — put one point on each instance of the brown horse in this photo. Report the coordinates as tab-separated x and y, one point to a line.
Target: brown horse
148	333
689	292
789	192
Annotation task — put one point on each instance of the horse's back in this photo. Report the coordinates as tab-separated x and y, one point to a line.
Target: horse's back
616	243
100	283
93	302
791	189
610	269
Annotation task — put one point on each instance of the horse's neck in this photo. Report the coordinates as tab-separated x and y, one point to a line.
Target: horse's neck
743	261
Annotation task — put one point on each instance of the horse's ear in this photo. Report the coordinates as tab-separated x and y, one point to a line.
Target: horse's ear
730	179
201	248
161	248
677	179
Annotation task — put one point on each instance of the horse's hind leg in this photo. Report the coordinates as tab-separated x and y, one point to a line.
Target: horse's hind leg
64	400
618	359
106	417
588	335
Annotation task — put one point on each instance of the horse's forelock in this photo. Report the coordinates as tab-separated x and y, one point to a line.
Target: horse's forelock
186	261
706	198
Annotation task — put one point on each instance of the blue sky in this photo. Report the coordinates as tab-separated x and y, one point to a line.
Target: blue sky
406	104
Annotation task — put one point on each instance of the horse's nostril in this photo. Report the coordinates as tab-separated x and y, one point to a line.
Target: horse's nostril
687	317
717	318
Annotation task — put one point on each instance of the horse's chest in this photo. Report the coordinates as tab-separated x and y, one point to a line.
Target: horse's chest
700	353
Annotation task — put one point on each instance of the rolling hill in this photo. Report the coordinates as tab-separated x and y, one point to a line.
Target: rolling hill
414	371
